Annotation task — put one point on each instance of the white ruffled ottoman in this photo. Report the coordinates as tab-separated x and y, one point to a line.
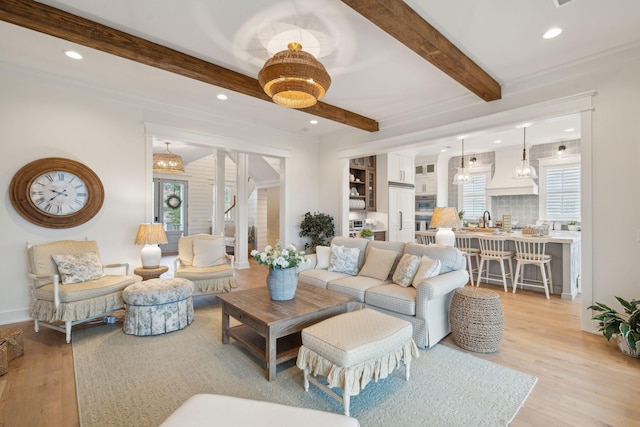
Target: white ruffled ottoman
158	306
352	349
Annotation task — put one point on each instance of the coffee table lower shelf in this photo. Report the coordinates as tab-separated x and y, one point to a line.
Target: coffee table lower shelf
287	346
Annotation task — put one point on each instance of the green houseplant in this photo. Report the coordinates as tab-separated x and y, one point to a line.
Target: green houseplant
625	326
319	228
367	233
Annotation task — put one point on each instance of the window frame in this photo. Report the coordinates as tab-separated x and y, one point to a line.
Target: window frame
476	170
550	163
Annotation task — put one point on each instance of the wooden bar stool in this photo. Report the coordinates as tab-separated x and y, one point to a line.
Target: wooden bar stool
532	250
463	243
426	239
492	248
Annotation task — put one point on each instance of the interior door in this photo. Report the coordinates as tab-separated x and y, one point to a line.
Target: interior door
171	210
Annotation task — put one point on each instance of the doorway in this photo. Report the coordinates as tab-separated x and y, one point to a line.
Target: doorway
171	210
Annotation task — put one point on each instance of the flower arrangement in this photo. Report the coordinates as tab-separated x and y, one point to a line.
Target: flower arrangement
278	258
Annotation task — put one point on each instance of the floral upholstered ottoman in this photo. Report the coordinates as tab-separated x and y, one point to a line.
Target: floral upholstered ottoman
158	306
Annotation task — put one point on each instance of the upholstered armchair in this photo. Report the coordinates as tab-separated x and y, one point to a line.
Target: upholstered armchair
69	285
203	260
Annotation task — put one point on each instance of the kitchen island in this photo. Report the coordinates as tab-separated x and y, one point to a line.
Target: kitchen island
563	246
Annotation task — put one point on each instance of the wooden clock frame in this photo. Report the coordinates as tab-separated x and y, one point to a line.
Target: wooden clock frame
21	184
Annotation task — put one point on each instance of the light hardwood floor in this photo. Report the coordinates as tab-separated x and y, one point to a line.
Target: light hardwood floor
583	380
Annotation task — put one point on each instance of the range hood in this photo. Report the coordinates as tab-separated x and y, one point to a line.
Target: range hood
503	182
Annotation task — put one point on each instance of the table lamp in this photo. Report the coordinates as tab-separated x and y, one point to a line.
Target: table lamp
150	235
444	219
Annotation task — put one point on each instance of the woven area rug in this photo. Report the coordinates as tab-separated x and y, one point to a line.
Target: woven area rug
124	380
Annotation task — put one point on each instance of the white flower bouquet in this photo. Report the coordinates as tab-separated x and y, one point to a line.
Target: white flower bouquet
278	258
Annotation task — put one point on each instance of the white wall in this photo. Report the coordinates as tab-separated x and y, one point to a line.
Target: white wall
43	116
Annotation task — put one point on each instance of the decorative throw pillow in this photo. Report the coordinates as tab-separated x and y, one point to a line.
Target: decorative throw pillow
78	268
208	252
344	260
323	256
428	268
406	269
378	264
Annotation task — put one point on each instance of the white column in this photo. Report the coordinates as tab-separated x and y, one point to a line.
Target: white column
218	214
242	223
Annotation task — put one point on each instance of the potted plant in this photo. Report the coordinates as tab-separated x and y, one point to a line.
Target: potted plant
625	327
367	233
572	226
282	279
319	228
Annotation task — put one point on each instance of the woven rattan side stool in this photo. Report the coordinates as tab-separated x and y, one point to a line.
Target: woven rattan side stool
477	322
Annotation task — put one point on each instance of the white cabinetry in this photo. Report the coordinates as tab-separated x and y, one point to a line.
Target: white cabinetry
400	168
401	214
426	185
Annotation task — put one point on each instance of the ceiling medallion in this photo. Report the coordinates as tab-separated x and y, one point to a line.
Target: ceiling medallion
293	78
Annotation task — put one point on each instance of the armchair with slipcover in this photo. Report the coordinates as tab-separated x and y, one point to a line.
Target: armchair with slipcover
69	285
203	260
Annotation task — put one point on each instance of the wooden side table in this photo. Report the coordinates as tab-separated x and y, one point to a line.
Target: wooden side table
150	273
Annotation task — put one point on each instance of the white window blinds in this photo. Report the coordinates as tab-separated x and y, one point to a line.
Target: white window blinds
563	193
474	198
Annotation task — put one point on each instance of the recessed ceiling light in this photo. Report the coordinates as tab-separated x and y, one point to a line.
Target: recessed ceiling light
222	97
497	141
552	33
72	54
444	150
313	122
569	130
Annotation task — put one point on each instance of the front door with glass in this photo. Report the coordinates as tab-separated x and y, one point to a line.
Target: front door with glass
171	210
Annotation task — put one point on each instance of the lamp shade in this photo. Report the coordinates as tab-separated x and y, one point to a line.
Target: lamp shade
150	235
444	219
167	162
293	78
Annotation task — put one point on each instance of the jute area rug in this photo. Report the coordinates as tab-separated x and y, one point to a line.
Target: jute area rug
124	380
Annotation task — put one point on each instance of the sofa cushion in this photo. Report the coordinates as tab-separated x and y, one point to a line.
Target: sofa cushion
319	278
428	268
393	298
353	242
450	256
354	286
323	256
344	260
78	268
378	263
208	252
406	269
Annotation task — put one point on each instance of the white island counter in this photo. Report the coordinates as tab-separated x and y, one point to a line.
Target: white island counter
564	248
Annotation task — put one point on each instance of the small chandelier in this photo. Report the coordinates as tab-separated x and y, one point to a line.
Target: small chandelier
462	176
293	78
167	162
524	169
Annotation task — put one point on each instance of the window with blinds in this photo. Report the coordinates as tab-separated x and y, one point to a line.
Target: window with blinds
563	193
474	196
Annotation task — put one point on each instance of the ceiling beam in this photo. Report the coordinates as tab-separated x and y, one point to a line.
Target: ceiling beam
400	21
58	23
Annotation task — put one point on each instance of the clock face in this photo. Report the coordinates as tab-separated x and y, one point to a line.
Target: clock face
58	193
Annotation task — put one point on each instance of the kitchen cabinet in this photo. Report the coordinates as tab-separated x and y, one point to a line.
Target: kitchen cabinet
426	185
362	184
400	168
401	214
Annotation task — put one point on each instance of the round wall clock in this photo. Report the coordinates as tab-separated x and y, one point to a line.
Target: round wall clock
174	201
56	193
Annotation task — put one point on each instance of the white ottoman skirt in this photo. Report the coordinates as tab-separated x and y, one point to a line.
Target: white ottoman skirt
158	306
353	349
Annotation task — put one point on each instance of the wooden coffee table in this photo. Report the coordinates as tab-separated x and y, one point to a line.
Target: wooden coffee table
271	329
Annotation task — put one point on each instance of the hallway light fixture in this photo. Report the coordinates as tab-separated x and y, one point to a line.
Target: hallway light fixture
524	169
167	162
462	176
561	149
293	78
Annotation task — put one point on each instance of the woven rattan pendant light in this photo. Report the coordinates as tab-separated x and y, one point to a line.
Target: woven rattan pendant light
293	78
167	162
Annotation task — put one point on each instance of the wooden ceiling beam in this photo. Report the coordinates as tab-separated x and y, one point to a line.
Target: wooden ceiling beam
400	21
58	23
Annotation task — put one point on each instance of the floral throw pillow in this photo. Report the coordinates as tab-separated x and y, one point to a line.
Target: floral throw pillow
406	269
344	260
78	268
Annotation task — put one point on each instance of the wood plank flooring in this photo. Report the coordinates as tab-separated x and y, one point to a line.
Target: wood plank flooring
583	380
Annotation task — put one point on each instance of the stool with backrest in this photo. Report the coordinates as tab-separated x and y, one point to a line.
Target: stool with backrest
532	250
493	248
426	239
463	243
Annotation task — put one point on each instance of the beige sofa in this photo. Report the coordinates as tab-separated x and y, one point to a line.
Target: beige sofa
425	303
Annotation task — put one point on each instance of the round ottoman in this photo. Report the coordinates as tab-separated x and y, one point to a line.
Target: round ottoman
158	306
477	322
